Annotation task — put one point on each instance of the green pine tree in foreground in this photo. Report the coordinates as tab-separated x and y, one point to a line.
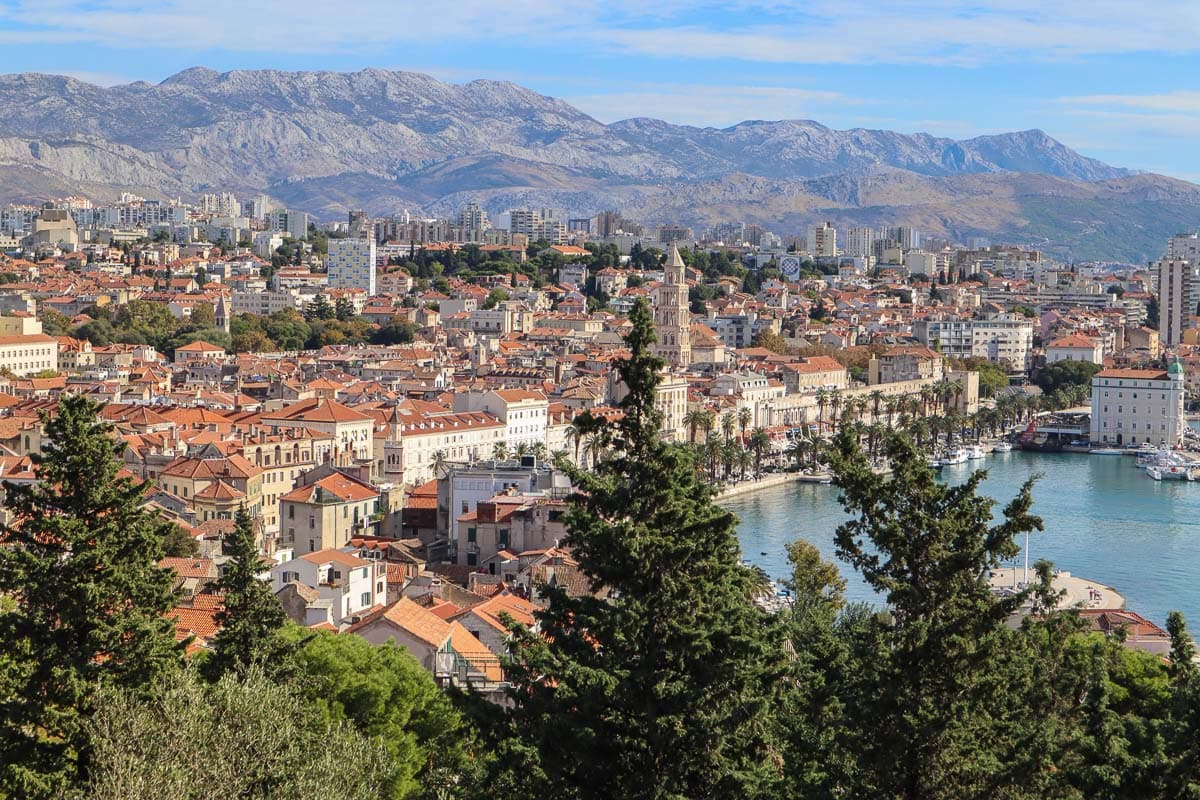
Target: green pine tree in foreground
252	619
661	691
89	600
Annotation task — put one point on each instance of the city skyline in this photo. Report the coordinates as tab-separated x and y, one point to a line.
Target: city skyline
1079	72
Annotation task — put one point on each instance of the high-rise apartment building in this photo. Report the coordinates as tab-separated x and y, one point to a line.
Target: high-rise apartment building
1178	295
859	242
822	240
287	221
473	221
351	264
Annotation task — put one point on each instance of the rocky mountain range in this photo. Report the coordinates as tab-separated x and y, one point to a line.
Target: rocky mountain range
383	141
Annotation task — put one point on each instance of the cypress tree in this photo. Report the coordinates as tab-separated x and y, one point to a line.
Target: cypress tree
81	565
252	620
661	690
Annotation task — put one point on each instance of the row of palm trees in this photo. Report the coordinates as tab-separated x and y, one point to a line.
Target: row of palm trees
930	430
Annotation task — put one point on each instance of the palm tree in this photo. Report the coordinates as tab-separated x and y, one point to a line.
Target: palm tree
707	420
760	440
692	420
835	403
593	446
889	406
744	460
728	423
876	402
743	417
822	401
522	450
574	435
539	451
797	450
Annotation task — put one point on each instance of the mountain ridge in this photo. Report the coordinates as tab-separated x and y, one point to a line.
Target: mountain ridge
385	140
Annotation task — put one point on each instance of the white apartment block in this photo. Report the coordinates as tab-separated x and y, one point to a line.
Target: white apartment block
28	355
351	264
822	240
1002	339
345	584
263	303
1138	406
416	441
1178	294
525	414
859	242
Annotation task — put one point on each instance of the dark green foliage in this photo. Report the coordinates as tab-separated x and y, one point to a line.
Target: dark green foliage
926	693
662	691
383	693
252	619
90	600
1066	374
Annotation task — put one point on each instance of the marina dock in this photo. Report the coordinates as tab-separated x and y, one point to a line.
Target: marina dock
1079	592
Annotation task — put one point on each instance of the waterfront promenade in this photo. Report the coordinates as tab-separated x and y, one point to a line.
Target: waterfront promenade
1076	592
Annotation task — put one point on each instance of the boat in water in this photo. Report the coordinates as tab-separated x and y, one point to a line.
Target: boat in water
1002	447
1177	472
935	464
1106	451
975	452
955	456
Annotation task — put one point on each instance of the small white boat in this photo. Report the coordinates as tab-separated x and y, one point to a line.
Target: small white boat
974	452
1105	451
956	456
1002	447
935	464
1170	473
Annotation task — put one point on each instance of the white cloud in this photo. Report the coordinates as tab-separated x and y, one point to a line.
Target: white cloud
784	31
1179	101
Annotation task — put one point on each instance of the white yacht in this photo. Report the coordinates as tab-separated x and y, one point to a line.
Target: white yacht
1002	447
955	456
974	452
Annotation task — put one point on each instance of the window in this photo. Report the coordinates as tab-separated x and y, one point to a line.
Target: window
366	599
472	559
291	512
504	537
470	534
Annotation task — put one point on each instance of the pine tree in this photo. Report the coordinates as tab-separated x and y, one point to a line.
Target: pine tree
252	619
661	690
90	599
933	712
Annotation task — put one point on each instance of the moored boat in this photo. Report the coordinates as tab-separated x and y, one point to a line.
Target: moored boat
974	452
1105	451
1002	447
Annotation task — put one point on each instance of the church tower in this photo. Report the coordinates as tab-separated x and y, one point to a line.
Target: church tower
672	317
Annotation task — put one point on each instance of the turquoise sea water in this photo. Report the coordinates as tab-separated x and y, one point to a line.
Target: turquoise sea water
1105	521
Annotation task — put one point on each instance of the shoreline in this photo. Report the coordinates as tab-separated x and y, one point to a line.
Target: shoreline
749	487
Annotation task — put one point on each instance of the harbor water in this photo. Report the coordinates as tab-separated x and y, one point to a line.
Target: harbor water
1105	520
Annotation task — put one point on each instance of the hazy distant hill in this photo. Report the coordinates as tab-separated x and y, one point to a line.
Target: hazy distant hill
384	140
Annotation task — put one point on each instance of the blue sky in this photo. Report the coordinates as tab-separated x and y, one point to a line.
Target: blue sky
1115	80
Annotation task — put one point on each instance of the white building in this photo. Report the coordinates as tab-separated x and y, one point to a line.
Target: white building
344	584
1138	406
1001	339
351	264
1075	348
1178	294
525	414
859	242
822	240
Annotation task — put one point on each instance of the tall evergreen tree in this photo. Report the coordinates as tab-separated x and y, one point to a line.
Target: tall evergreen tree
90	599
661	690
252	620
930	703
